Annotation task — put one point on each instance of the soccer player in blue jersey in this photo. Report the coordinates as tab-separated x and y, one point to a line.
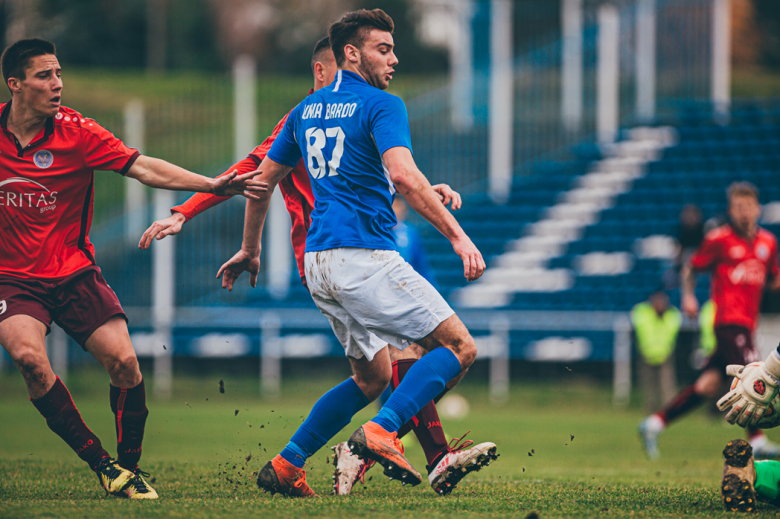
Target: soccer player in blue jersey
356	144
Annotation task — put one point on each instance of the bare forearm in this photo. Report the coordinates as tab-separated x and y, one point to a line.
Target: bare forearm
419	194
424	200
687	279
254	221
160	174
256	210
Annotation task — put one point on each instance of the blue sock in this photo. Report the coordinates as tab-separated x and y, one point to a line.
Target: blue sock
424	380
294	455
332	412
385	395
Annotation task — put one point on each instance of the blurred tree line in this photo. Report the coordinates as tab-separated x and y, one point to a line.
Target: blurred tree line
209	34
201	34
768	19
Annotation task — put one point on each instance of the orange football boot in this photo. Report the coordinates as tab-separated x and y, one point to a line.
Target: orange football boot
371	441
279	475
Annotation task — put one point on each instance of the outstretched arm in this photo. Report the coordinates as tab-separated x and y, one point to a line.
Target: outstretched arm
419	194
160	174
690	305
192	207
248	258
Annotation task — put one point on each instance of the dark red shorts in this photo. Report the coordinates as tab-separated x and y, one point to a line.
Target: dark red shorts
734	346
79	304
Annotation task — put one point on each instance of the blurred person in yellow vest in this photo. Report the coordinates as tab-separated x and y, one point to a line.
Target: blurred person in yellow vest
656	325
707	340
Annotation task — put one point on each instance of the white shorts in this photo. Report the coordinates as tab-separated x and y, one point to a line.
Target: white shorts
373	298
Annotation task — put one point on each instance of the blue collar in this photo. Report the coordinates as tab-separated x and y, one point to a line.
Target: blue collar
342	75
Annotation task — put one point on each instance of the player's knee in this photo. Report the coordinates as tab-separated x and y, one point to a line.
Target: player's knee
123	367
466	351
31	363
377	388
374	386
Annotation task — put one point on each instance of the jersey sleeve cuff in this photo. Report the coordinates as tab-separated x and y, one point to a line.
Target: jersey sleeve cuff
397	145
129	163
179	209
281	161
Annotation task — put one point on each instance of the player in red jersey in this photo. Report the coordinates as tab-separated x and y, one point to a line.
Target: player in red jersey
444	460
741	257
48	154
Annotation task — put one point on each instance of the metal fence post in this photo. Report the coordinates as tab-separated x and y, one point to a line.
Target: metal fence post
58	352
279	255
571	64
270	356
721	57
462	67
163	366
621	354
607	88
135	192
499	361
645	60
501	100
163	298
244	110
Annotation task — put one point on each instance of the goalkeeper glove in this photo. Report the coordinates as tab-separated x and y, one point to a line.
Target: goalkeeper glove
753	389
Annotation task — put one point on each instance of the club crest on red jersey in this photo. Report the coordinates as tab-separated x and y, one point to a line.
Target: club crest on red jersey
43	159
759	387
762	251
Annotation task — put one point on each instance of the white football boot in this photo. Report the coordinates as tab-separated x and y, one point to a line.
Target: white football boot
349	469
650	429
457	462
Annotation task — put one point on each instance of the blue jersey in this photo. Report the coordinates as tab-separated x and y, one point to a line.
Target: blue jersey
341	132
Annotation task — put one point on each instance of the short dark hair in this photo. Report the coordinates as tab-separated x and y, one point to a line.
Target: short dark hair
742	189
16	57
353	28
320	47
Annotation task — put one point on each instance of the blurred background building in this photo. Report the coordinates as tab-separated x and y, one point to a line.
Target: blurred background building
578	131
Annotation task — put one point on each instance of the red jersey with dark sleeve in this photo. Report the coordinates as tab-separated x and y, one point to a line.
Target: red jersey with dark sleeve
738	273
46	191
295	187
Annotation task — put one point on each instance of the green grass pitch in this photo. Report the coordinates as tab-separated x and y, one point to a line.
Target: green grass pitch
198	451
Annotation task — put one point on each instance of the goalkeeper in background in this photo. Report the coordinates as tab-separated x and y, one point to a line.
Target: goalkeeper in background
741	259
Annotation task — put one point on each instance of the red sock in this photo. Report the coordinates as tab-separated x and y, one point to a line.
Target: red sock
687	400
407	427
129	407
753	432
426	423
64	419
